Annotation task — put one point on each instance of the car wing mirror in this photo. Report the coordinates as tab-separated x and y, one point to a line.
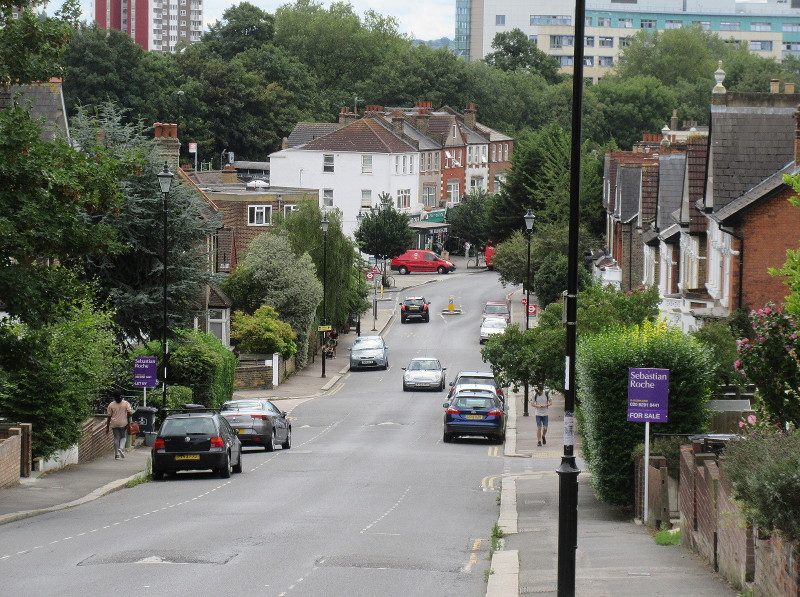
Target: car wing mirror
445	405
403	368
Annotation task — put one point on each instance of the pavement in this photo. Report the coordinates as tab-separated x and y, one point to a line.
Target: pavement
615	557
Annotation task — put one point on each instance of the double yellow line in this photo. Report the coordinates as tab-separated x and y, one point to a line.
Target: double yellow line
491	482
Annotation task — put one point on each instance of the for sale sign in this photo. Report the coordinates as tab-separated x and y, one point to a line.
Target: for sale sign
144	372
648	393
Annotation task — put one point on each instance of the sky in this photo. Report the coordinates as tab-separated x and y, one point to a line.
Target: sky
422	20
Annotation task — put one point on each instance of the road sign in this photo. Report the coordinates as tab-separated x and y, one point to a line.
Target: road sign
375	270
324	328
192	147
370	276
524	301
532	309
144	372
648	395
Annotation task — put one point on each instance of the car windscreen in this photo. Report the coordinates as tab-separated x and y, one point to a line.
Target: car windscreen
474	402
495	309
189	426
368	343
423	366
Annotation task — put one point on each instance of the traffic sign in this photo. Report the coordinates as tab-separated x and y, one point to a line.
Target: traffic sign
375	270
370	276
324	328
524	300
532	309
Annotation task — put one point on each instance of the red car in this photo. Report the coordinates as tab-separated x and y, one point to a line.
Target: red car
419	260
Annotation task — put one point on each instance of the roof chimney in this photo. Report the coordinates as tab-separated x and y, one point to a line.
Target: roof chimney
229	174
421	120
774	86
346	116
673	122
397	123
470	114
167	144
788	87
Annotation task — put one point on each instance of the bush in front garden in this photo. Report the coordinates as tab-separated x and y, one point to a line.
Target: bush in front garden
609	440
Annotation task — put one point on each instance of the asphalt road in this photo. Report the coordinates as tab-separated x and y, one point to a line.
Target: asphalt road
368	502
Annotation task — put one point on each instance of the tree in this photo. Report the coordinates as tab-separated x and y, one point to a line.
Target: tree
131	279
263	332
384	233
550	279
242	27
468	218
514	51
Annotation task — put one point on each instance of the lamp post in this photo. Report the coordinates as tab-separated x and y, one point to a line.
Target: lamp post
376	212
324	226
529	218
165	180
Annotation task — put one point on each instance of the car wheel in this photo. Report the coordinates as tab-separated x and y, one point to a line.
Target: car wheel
405	388
269	445
441	386
237	468
288	443
225	469
386	366
441	270
427	319
158	474
402	320
403	270
447	437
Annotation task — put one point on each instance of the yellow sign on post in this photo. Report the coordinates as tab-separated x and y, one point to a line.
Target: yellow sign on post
451	305
325	328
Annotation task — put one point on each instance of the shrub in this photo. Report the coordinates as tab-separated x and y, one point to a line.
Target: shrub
263	332
200	362
764	469
718	337
602	382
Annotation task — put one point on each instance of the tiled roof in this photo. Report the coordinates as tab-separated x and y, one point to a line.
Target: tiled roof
749	144
46	102
672	168
441	123
471	136
367	135
766	188
425	142
304	132
629	181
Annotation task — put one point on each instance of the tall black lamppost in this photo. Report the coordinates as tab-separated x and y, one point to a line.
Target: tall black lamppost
529	218
324	226
360	220
165	180
376	212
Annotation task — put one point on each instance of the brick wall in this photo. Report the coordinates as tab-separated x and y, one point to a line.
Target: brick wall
94	441
706	484
776	568
253	377
735	539
10	449
26	452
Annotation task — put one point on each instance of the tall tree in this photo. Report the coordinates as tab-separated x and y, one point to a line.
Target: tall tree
514	51
468	218
384	233
242	27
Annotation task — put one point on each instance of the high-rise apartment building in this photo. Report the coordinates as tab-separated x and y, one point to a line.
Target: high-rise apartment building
153	24
770	27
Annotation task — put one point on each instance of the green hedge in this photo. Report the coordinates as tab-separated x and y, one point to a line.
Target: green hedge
609	440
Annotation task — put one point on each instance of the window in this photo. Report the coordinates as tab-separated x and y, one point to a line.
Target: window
429	195
673	24
588	41
505	146
559	41
494	153
588	61
327	162
183	13
648	24
551	20
288	209
791	26
606	61
604	21
397	164
259	215
366	198
791	46
730	26
624	42
452	191
625	23
327	197
476	182
606	42
403	198
366	164
411	164
762	26
565	60
499	20
704	25
469	154
405	164
587	21
764	46
534	39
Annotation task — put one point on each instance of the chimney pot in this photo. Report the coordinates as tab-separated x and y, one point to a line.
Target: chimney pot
157	126
788	88
774	86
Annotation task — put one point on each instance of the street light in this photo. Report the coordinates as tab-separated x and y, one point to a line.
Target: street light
375	213
165	180
529	218
324	226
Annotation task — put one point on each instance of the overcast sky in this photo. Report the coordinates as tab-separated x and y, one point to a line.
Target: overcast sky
424	20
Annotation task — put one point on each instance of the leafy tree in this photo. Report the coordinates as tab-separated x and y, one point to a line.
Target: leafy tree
284	280
514	51
52	373
718	338
263	332
522	356
132	278
468	218
242	27
385	233
550	279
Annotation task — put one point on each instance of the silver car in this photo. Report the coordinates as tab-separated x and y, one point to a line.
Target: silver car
258	422
369	351
424	373
491	326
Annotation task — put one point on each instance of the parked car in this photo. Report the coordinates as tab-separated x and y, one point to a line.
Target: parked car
470	413
497	309
415	307
196	441
258	422
424	373
419	260
465	378
491	326
369	351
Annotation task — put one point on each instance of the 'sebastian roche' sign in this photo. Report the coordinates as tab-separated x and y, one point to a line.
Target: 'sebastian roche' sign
648	391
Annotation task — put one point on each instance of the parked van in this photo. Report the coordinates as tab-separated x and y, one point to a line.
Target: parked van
418	260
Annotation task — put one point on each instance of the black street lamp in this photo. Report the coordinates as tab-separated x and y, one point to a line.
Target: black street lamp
165	180
376	212
529	218
324	226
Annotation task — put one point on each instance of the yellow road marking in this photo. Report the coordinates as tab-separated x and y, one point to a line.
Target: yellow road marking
488	483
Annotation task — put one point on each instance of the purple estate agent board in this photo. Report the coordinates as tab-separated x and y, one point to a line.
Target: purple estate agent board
648	392
144	372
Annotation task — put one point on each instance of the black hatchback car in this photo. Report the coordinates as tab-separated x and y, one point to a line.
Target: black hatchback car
196	441
415	307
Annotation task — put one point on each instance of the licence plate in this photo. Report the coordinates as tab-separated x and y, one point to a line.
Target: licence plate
241	431
187	457
367	362
475	417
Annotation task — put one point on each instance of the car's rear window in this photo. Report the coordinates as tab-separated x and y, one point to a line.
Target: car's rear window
250	405
475	403
189	426
417	301
495	309
468	379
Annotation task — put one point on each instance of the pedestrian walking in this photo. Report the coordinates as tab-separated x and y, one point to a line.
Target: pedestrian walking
118	412
541	402
335	338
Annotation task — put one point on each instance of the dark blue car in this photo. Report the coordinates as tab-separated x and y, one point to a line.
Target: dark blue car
474	413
